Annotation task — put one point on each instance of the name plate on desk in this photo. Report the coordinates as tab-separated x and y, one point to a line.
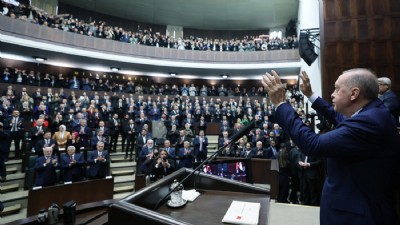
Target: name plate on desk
245	213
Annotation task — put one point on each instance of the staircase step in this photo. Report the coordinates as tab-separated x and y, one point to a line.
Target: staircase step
122	172
122	195
11	210
121	180
130	164
14	196
127	188
12	170
119	159
9	188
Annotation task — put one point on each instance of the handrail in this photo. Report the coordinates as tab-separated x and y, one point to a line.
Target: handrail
31	32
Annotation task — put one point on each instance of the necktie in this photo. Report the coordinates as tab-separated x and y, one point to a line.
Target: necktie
61	135
15	124
71	158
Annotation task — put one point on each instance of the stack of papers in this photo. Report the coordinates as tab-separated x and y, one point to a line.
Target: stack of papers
245	213
190	195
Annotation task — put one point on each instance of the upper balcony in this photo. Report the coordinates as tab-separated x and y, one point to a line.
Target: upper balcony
22	40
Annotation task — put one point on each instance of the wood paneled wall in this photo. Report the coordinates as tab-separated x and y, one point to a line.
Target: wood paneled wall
360	33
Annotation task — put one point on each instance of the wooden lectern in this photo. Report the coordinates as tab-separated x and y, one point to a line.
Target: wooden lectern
217	194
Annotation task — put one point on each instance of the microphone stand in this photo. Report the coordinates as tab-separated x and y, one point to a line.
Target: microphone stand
191	173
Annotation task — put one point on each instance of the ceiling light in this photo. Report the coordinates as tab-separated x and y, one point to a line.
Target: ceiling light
173	74
39	59
115	69
224	76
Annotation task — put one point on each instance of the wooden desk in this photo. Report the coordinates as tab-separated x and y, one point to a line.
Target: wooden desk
211	206
81	192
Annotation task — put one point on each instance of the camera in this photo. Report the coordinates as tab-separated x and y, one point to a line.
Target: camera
164	159
42	216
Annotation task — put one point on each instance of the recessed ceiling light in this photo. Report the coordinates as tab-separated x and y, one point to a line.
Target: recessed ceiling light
39	59
115	69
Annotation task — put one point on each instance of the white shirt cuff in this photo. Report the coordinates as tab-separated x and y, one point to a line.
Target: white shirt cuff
312	98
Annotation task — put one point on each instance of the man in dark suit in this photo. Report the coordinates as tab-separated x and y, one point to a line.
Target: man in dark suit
248	151
260	151
186	156
141	141
84	133
115	128
4	149
200	146
272	150
98	161
99	137
361	152
225	140
106	131
146	156
16	127
388	97
45	142
45	167
37	132
130	134
72	164
163	166
309	182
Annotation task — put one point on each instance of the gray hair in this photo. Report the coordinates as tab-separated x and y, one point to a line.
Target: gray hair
71	147
385	80
365	80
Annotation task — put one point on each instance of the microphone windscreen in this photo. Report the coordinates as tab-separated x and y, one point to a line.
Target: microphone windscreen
243	131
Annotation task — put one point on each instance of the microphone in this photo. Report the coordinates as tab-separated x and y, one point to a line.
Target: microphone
243	131
234	138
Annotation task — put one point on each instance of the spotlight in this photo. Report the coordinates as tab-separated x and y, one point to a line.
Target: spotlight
39	59
173	74
115	69
224	76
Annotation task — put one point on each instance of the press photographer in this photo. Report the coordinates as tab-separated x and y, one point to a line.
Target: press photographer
163	166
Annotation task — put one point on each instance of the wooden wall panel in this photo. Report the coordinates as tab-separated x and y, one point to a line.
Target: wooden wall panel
329	9
360	33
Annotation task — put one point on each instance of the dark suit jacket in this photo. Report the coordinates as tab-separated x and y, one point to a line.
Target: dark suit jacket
40	144
35	138
98	169
139	141
114	127
362	155
196	143
160	171
84	137
45	175
186	160
251	154
20	125
74	172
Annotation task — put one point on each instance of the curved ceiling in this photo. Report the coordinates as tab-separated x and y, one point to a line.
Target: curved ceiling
199	14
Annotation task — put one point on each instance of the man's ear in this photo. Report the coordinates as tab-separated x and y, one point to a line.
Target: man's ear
354	93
